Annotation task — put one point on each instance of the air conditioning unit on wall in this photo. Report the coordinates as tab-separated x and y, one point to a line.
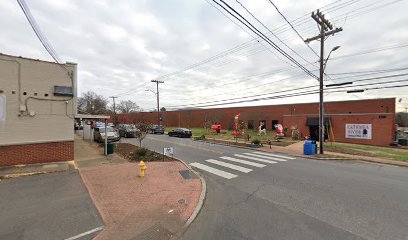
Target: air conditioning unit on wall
63	91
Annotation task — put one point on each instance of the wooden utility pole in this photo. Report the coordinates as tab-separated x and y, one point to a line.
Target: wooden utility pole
157	95
114	105
326	29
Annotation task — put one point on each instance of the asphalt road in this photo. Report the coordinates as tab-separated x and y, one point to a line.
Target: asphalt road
293	199
47	206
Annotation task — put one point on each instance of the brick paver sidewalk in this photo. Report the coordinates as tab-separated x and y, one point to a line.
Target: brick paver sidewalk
153	207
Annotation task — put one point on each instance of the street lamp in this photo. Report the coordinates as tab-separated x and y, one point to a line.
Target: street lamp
158	110
328	56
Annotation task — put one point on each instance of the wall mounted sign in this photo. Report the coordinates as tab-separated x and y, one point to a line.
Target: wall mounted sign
359	131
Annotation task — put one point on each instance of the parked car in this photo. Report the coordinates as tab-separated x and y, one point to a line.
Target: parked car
180	132
156	129
127	130
99	134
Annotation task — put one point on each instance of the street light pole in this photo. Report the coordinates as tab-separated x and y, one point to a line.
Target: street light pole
157	95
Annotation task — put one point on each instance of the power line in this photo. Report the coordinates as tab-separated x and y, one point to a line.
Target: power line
309	92
265	38
290	24
273	34
44	41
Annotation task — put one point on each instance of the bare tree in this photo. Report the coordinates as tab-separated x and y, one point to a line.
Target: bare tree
128	106
162	109
92	103
142	130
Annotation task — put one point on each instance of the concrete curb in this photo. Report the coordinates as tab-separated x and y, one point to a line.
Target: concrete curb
37	168
199	204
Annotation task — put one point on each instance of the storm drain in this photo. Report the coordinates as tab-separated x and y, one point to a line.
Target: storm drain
187	174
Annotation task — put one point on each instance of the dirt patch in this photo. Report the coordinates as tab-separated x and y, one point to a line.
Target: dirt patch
351	151
134	153
329	156
279	143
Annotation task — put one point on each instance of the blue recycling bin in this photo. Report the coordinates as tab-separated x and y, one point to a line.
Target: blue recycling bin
309	148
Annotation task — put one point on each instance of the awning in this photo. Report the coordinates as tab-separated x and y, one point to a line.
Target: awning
315	121
89	116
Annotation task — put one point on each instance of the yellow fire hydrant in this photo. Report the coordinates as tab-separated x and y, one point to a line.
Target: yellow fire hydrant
143	168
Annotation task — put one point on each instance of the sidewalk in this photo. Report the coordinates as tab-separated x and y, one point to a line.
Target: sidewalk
154	207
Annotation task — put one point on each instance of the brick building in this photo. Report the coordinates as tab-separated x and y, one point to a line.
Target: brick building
368	122
37	108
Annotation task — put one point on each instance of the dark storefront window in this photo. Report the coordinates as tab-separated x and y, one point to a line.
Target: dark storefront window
251	124
274	122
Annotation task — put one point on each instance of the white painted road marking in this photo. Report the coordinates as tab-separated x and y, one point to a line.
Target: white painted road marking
267	157
229	165
244	162
85	233
255	158
274	155
215	171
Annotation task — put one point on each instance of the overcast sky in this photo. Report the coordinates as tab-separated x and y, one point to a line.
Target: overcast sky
121	45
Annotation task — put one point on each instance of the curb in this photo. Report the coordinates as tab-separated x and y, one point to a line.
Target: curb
41	169
200	203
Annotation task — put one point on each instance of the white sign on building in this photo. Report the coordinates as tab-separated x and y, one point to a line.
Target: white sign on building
2	108
359	131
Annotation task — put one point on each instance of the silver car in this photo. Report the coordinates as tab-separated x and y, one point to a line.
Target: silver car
112	134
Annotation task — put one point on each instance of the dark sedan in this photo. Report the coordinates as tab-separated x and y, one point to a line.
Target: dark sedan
156	129
180	132
127	130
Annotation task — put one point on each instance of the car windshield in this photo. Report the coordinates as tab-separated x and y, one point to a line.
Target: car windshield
108	129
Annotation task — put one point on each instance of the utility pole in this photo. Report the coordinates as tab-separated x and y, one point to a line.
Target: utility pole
157	95
326	29
114	105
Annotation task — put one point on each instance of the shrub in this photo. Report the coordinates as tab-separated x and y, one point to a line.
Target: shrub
256	141
141	152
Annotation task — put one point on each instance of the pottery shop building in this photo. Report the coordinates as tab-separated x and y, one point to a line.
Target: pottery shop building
370	122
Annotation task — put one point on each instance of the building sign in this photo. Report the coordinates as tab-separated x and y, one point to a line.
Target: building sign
168	151
358	131
2	108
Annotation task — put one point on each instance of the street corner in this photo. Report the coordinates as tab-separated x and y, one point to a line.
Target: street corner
157	205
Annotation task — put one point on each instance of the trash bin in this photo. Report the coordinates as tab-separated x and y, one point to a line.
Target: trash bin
309	148
110	148
314	147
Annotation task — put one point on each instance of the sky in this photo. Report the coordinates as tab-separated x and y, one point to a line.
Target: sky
204	55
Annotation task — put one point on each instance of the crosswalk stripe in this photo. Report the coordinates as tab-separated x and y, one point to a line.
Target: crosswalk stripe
244	162
254	158
212	170
267	157
229	165
274	155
